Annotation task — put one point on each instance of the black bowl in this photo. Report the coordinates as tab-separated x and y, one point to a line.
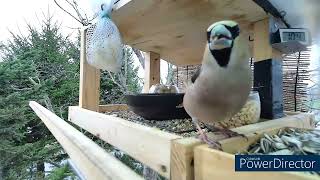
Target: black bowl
157	106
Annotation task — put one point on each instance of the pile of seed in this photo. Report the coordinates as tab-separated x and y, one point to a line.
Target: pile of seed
288	141
182	127
185	127
250	113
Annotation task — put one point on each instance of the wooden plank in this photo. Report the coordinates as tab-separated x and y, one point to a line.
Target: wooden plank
93	161
148	145
113	107
262	49
302	120
182	166
177	29
238	144
151	71
181	153
261	46
220	165
89	92
213	164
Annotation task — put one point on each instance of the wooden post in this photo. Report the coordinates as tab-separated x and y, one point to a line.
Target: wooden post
262	49
89	93
267	70
181	160
152	70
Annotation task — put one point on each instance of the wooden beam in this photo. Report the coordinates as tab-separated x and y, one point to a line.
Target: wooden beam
262	49
270	9
212	164
113	107
93	161
229	145
182	149
182	166
302	120
177	29
152	70
119	4
148	145
89	93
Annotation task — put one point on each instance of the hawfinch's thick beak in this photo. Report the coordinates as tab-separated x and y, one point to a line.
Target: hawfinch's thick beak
220	38
220	42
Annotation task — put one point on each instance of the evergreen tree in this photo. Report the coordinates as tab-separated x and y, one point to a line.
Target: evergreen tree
42	66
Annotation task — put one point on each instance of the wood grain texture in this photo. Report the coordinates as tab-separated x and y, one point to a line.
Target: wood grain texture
151	70
177	29
262	49
92	161
302	120
89	92
148	145
113	107
182	166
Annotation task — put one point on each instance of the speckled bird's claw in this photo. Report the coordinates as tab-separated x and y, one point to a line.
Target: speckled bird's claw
229	133
212	144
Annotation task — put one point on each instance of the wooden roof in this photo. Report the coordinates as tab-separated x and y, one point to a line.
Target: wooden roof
176	29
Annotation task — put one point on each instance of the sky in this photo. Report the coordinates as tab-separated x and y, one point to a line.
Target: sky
15	14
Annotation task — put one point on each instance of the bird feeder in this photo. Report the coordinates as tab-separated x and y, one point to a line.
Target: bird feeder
176	31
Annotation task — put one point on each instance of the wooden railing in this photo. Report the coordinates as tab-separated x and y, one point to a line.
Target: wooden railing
147	145
170	155
92	160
